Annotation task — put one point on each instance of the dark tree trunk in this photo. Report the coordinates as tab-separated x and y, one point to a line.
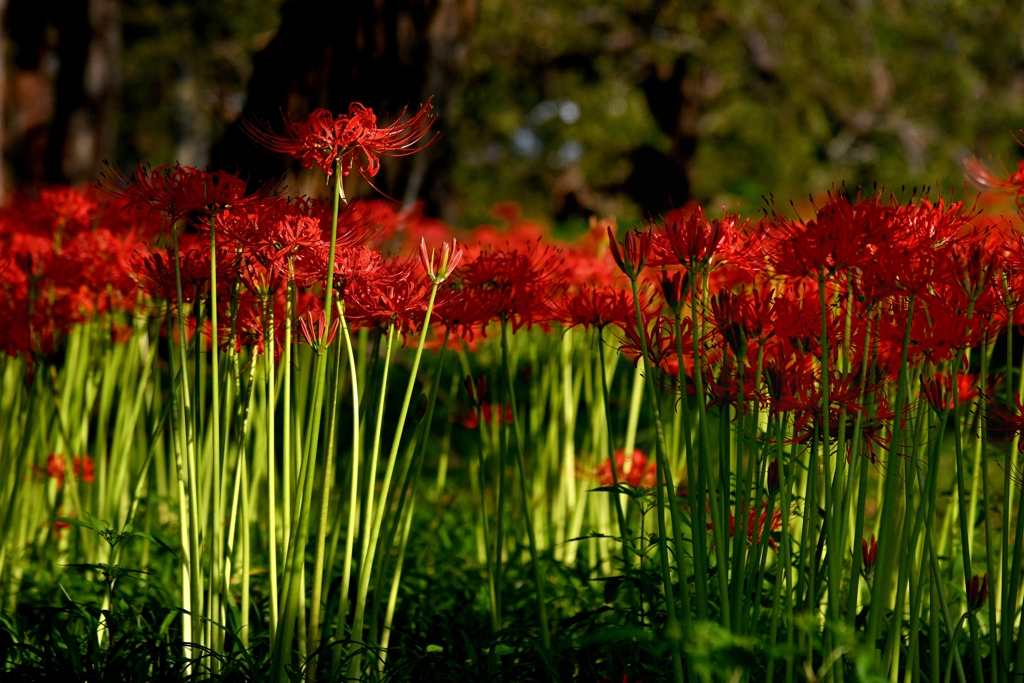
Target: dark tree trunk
386	54
64	139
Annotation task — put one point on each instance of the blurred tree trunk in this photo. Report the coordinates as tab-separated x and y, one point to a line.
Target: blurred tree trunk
387	55
66	58
3	99
86	89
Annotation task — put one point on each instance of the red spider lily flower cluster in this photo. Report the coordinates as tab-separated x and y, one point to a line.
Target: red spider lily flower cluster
66	260
491	413
758	307
639	470
82	468
325	140
757	523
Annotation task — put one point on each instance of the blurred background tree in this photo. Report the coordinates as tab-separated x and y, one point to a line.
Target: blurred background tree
571	108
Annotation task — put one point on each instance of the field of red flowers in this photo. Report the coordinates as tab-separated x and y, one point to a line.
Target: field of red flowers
246	436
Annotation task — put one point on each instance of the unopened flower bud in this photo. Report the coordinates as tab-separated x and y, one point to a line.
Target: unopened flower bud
773	478
870	552
977	592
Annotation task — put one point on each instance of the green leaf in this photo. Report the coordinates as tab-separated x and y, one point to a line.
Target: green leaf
502	649
153	539
435	648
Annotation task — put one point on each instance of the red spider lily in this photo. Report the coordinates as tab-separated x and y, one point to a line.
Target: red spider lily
56	467
180	191
251	321
674	289
449	260
58	528
490	413
691	238
625	679
596	307
516	285
639	471
154	271
84	469
464	312
634	252
836	239
977	592
56	212
1002	424
724	389
869	553
795	319
312	327
982	176
62	265
742	317
761	520
802	396
477	390
324	140
938	390
977	263
940	327
659	334
397	297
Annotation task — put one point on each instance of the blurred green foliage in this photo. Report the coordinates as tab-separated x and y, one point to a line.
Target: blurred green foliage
783	97
185	67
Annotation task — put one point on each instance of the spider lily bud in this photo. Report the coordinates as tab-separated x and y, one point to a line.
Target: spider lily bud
477	391
673	288
632	257
312	329
977	592
870	553
449	260
773	478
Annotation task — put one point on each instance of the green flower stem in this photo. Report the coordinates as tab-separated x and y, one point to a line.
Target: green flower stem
1008	580
940	592
181	462
398	530
889	502
353	497
376	519
494	579
615	496
858	478
696	494
313	630
909	543
664	479
213	611
269	432
538	574
703	448
295	557
832	520
965	533
981	470
187	421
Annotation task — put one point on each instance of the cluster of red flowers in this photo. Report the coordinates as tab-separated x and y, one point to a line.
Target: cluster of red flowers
748	297
64	259
56	467
639	471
